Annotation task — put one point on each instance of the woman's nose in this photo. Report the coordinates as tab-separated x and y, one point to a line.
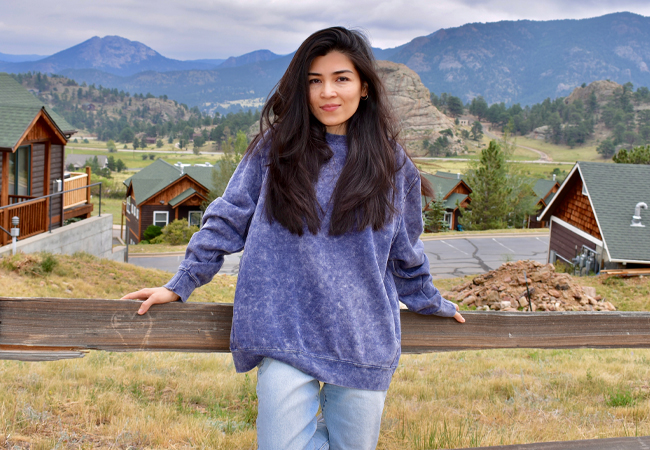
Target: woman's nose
328	90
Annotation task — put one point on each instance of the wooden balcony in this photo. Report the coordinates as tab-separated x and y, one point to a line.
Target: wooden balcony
34	212
80	196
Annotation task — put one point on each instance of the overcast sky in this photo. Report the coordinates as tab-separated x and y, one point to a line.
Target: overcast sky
193	29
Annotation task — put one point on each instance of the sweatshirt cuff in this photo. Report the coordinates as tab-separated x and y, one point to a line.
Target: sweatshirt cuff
446	309
182	284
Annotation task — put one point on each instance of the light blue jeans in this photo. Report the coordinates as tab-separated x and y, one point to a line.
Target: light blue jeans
288	419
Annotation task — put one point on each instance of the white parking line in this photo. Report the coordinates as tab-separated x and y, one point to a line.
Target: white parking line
457	249
507	248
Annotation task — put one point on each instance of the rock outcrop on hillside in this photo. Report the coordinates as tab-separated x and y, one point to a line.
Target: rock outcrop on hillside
412	105
411	102
604	90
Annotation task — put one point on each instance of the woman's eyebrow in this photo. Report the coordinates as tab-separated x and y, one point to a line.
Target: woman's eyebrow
316	74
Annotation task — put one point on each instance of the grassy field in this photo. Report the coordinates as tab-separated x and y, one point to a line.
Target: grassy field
563	152
133	159
174	400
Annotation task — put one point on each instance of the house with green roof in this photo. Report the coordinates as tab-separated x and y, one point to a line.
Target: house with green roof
453	191
599	217
544	191
161	193
32	149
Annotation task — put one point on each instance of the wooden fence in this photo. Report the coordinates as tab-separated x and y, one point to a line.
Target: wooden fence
32	215
40	329
80	196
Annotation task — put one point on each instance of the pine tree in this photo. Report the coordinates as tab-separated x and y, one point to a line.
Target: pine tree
491	196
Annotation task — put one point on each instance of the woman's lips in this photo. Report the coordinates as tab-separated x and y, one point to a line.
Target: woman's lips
329	108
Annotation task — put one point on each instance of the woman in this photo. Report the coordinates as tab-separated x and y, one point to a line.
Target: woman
328	206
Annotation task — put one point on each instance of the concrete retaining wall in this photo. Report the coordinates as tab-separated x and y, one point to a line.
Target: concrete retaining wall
94	236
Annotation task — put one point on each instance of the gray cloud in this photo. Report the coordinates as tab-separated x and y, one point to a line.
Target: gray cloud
193	29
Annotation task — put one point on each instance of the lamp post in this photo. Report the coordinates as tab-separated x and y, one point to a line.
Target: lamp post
15	232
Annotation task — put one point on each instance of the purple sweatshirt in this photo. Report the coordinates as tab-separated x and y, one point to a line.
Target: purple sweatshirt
327	305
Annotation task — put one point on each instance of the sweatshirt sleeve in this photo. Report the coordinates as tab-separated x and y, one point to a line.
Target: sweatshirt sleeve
410	265
224	228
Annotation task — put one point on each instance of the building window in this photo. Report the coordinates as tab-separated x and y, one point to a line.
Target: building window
194	218
447	218
160	218
584	189
20	171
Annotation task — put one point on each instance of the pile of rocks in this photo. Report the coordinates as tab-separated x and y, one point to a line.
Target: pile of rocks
504	289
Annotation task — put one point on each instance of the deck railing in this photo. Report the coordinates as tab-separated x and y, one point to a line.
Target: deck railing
32	215
79	196
35	214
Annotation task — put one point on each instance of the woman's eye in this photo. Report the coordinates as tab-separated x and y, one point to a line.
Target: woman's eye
314	81
343	79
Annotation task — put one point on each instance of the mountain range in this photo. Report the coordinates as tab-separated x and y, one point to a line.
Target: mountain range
510	61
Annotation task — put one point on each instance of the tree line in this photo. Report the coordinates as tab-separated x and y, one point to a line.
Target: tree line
116	115
566	123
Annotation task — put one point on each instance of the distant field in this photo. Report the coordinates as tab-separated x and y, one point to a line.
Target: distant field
134	160
562	152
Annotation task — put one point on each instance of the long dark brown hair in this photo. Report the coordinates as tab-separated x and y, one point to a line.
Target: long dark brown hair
363	195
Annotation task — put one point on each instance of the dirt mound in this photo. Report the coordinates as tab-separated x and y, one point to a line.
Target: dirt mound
504	289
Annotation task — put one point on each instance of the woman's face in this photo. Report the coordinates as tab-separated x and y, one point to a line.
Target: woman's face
335	90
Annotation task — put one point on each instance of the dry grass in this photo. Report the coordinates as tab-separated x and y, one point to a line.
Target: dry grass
175	400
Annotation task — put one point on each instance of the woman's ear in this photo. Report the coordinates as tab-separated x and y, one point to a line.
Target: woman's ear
364	89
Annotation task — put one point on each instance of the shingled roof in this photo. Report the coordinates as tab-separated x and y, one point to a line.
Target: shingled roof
18	108
613	191
160	174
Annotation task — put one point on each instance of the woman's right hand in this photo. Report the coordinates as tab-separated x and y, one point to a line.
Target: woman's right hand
152	296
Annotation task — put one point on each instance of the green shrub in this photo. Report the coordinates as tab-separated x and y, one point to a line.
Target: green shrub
152	232
48	263
176	233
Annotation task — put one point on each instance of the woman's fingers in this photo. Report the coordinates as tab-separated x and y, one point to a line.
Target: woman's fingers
142	294
151	296
458	317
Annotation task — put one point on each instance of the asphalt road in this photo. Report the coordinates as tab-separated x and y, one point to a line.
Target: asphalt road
456	257
448	258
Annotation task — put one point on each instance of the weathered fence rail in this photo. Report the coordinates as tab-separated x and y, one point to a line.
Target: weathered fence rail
58	328
42	329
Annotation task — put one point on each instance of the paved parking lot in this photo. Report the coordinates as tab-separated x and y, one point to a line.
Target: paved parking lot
448	257
457	257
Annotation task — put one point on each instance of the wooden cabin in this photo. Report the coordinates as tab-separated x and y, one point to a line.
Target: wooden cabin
161	193
455	194
593	215
32	149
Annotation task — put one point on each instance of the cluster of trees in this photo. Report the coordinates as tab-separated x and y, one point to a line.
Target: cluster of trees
628	127
638	155
449	104
570	124
112	116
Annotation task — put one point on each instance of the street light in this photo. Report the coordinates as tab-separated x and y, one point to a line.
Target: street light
15	232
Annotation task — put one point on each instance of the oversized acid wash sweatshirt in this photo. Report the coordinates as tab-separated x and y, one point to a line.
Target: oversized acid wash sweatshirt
327	305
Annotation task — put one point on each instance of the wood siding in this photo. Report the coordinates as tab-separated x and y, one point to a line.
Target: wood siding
575	209
42	129
146	215
38	170
132	223
56	173
564	241
175	189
